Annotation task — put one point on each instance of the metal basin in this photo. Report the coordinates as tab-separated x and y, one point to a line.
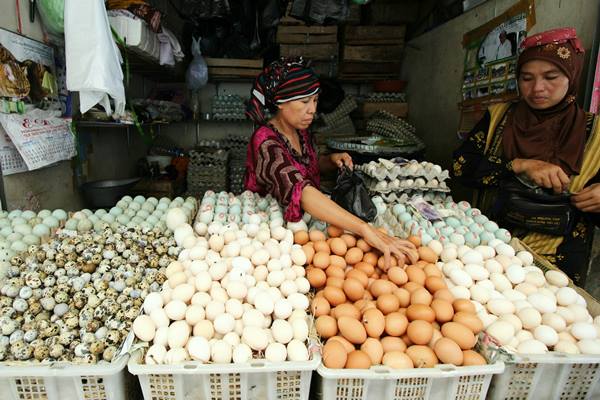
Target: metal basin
106	193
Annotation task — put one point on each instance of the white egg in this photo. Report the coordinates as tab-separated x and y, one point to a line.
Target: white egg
589	346
205	329
152	302
235	308
300	328
566	313
198	349
557	278
477	272
214	309
461	278
472	257
436	246
224	323
253	317
449	254
583	331
530	317
201	299
237	290
514	295
513	320
523	335
546	335
299	301
566	296
218	270
282	309
500	307
221	352
515	274
535	278
242	353
501	283
297	350
159	317
276	352
175	310
302	284
505	250
144	328
282	331
532	346
255	337
179	333
194	314
543	304
563	346
480	294
460	292
493	266
487	252
183	292
155	354
526	288
554	321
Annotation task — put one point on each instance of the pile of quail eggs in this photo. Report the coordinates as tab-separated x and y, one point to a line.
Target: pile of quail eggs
131	212
74	297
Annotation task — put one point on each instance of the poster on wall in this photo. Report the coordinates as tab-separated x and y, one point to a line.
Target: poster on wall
491	53
34	133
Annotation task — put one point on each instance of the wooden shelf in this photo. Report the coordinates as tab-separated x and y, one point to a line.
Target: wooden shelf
151	69
112	124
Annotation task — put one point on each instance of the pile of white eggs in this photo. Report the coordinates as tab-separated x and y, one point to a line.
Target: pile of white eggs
235	293
458	224
20	229
131	212
525	310
246	208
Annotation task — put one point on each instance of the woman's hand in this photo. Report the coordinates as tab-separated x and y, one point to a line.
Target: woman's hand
388	245
588	200
544	174
341	159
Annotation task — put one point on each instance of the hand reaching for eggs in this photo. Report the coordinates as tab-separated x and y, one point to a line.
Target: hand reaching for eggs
404	250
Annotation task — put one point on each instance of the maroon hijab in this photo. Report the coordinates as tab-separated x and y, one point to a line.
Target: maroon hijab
556	135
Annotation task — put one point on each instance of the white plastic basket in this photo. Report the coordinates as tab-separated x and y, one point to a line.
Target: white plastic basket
64	381
443	382
549	376
256	380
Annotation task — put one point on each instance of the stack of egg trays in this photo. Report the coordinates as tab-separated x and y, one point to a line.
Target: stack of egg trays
386	97
237	145
341	112
207	170
228	107
401	168
385	124
406	185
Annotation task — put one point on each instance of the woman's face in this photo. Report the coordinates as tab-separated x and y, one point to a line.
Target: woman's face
542	84
299	113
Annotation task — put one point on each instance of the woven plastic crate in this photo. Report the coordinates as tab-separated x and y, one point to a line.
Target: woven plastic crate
444	382
256	380
551	375
64	381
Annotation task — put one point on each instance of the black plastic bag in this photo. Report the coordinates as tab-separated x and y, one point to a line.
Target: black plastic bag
351	194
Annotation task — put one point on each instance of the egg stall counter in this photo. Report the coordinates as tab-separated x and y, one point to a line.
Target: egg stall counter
529	309
68	302
231	320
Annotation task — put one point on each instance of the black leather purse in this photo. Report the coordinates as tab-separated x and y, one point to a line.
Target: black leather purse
522	204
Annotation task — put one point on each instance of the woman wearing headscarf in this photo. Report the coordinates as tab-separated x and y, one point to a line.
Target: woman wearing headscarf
545	138
282	160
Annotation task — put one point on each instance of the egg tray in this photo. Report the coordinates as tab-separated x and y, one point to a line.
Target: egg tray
383	116
391	198
372	184
391	169
386	97
376	145
341	111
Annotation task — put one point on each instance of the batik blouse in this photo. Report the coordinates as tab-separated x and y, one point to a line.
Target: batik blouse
274	167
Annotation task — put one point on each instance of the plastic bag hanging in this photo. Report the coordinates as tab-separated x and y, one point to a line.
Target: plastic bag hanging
351	194
92	57
197	73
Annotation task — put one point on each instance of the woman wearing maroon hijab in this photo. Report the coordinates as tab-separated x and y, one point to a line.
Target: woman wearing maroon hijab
282	160
546	137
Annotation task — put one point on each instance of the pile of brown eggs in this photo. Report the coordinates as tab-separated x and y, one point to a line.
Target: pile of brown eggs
402	317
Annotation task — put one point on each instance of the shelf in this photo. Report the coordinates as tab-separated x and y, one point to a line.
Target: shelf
112	124
151	69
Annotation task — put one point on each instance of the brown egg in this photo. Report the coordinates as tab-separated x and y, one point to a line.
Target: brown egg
326	326
416	240
368	296
367	268
319	293
427	255
353	289
395	324
319	306
360	304
415	274
335	281
406	340
402	311
354	256
388	303
309	252
316	235
435	283
411	286
328	241
371	258
316	277
374	322
334	355
397	360
359	276
358	359
471	357
364	246
349	239
432	270
443	310
352	330
448	352
335	272
419	332
420	311
463	305
422	264
444	294
346	310
437	335
348	347
403	295
421	296
337	261
397	275
422	356
381	263
338	247
322	247
380	286
462	335
392	343
469	320
301	237
374	350
321	260
335	296
334	231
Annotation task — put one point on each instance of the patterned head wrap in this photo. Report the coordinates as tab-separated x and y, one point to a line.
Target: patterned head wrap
284	80
558	134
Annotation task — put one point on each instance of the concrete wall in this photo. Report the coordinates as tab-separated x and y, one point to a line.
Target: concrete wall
433	65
